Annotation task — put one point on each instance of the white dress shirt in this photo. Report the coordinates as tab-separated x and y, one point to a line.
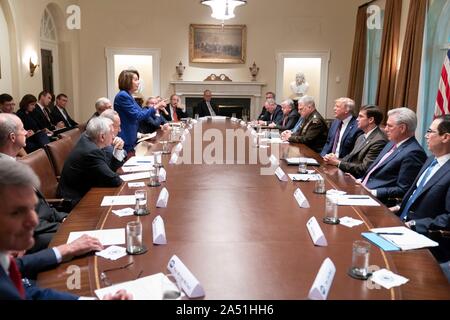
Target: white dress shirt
345	123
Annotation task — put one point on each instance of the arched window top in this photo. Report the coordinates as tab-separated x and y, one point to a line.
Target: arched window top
48	29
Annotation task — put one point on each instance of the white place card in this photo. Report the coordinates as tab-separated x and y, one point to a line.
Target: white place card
188	282
162	175
107	237
163	199
135	176
118	201
316	233
301	199
136	184
281	175
174	158
159	232
178	148
274	161
324	280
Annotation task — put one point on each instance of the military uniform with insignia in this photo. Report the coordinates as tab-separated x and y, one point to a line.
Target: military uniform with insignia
313	132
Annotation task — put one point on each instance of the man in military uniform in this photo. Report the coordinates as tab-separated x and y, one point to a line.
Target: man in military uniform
313	131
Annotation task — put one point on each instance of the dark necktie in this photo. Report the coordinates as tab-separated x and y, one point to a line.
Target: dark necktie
47	115
418	190
15	277
336	138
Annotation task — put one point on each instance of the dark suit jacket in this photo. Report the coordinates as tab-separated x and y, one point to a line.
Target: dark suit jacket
364	153
180	113
441	222
202	109
291	121
434	199
41	120
352	132
151	124
394	177
267	116
31	264
87	167
130	114
39	139
262	116
313	132
27	264
57	116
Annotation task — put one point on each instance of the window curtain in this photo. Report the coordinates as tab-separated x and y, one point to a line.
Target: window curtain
407	91
356	82
389	54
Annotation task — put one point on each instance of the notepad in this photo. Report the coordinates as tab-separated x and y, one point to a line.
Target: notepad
380	241
296	161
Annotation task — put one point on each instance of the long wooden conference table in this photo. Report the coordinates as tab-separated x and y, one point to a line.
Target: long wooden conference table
242	234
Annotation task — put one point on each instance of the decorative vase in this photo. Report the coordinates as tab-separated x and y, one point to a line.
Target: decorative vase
254	71
180	70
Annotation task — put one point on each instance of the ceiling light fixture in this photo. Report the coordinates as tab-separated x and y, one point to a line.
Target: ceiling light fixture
223	9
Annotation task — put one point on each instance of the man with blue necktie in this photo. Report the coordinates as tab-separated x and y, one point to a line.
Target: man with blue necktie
343	131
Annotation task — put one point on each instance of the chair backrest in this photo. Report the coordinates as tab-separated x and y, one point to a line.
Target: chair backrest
58	151
74	134
41	165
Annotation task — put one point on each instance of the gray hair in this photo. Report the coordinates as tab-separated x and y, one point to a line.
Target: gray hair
109	114
8	125
14	173
347	102
101	102
98	126
307	101
289	103
406	116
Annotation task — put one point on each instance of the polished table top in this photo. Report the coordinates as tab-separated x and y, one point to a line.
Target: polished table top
242	234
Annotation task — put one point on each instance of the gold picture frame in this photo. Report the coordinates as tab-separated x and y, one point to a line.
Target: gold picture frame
210	43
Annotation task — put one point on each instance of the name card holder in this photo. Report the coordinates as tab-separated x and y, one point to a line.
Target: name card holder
281	175
162	175
159	231
301	199
188	282
174	158
178	148
274	161
324	280
163	199
316	233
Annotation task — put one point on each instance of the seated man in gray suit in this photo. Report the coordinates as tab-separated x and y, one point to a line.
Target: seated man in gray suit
367	147
394	170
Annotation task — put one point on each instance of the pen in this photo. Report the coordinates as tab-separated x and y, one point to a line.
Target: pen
358	198
390	233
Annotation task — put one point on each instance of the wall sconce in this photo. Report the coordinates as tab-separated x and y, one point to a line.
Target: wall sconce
33	65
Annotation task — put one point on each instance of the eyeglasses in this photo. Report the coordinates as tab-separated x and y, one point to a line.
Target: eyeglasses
431	131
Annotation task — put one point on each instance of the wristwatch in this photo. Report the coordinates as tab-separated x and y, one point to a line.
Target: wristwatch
412	225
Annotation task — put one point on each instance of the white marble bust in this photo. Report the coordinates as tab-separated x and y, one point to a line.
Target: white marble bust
299	87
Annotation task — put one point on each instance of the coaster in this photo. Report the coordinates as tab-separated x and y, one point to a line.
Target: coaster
141	251
351	272
141	212
329	221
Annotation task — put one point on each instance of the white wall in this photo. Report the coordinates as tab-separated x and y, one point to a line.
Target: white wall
5	58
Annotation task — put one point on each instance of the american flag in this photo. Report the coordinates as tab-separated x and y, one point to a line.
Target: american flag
443	96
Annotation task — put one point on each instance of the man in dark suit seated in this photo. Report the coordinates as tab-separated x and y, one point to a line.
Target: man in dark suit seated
392	173
17	222
313	129
264	116
367	147
41	114
87	166
343	131
290	116
274	113
59	112
206	107
174	110
156	121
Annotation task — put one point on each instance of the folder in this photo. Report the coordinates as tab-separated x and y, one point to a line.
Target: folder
380	241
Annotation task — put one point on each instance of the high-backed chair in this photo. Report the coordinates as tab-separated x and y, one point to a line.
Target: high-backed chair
58	151
41	165
74	134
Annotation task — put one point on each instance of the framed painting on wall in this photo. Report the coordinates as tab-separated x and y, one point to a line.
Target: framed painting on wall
211	43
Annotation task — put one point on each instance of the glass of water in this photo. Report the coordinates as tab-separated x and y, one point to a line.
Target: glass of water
141	203
331	210
134	238
360	260
302	167
154	177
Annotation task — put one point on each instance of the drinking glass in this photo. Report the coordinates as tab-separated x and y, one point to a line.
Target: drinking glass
141	203
360	260
134	238
331	210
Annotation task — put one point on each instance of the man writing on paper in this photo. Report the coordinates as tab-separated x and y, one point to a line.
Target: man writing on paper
17	222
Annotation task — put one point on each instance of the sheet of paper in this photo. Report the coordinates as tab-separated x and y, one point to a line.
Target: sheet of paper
333	192
112	253
305	177
106	237
124	212
135	176
388	279
405	238
138	160
147	137
218	118
357	200
136	184
139	168
350	222
277	141
118	201
309	161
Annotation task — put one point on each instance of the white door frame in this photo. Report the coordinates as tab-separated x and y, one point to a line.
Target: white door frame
156	60
53	47
325	58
